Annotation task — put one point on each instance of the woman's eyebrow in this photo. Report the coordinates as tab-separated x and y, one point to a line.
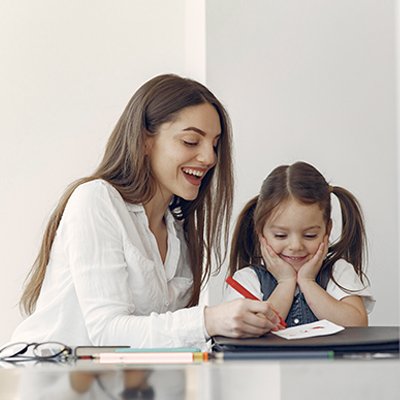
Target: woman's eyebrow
192	128
199	131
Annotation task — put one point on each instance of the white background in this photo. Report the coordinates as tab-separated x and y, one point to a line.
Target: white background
312	80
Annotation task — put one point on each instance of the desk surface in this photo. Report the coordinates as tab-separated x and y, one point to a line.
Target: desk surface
272	380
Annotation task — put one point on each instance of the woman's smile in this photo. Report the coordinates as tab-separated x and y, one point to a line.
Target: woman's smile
194	175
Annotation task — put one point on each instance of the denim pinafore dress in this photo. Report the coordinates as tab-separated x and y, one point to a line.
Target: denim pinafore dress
300	312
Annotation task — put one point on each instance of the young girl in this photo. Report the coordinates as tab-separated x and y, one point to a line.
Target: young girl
121	262
280	250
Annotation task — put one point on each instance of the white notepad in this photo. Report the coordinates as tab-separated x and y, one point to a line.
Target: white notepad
317	328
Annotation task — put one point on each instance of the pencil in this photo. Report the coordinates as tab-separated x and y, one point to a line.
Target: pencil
158	350
274	355
240	289
151	358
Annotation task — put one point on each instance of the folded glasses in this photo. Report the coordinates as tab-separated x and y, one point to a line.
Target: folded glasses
39	351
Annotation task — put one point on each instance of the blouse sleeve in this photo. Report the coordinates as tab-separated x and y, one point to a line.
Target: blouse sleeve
344	274
93	238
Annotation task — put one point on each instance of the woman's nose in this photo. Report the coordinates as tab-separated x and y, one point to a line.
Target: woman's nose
207	155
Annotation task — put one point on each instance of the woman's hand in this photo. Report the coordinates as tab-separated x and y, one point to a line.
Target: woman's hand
309	270
280	269
240	318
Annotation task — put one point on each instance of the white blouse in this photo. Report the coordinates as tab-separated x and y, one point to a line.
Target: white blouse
106	284
343	272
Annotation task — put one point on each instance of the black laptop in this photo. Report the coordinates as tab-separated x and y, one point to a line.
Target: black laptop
350	340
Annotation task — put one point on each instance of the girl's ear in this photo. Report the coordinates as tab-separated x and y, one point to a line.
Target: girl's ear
261	239
329	228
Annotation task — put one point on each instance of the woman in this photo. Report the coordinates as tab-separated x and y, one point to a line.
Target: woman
128	248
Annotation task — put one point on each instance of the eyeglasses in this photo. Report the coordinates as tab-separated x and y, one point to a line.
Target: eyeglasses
41	351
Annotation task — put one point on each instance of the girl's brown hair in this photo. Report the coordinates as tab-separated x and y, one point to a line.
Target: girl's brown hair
304	183
125	166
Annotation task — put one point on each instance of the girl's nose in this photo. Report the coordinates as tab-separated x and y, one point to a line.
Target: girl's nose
296	244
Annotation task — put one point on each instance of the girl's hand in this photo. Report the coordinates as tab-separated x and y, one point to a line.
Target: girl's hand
280	269
309	270
241	318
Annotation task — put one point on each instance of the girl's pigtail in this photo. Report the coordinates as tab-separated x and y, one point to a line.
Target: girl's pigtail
244	246
352	243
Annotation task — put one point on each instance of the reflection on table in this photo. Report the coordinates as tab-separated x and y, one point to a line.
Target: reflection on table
71	383
280	380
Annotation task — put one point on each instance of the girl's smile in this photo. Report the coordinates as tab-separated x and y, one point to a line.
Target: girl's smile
294	260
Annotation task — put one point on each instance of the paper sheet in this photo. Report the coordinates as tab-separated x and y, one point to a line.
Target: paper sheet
317	328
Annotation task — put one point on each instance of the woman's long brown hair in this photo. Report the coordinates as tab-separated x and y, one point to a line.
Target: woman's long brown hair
304	183
125	166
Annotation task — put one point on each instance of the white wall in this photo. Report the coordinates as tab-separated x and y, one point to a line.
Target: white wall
67	70
315	80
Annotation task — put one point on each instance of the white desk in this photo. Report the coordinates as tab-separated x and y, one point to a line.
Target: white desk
271	380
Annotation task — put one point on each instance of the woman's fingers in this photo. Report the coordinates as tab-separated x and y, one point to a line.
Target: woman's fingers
241	318
258	318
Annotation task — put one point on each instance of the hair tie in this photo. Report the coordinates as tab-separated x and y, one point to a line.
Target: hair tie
330	188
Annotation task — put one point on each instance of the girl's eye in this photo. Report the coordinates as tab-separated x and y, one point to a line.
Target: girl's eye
310	236
280	236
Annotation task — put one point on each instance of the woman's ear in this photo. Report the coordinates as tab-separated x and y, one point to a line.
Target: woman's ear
148	145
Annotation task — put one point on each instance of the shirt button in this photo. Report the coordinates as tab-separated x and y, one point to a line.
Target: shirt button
296	321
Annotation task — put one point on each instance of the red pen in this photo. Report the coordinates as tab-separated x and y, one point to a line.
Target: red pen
248	295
